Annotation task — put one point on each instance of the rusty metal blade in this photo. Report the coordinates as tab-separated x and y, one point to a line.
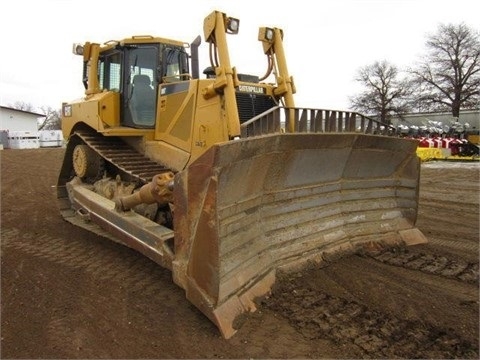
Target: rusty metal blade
249	207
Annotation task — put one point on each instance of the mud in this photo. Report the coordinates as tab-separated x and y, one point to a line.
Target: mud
67	293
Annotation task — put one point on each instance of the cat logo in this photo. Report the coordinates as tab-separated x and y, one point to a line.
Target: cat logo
251	89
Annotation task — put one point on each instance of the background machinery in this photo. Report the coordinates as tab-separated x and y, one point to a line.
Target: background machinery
222	180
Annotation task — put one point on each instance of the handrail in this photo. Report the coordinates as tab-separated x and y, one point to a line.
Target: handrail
309	120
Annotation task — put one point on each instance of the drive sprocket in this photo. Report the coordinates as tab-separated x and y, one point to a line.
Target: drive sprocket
87	163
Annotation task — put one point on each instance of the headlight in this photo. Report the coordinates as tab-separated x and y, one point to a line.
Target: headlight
266	35
232	25
77	49
269	34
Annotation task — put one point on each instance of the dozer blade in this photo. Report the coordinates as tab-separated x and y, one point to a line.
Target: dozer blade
247	208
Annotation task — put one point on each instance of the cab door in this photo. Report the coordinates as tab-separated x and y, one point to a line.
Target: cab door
140	84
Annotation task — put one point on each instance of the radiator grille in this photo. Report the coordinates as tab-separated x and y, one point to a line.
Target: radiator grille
250	105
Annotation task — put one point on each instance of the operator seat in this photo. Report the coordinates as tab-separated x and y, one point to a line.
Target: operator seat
143	100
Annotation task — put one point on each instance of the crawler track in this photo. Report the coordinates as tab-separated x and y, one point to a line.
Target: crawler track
126	159
119	158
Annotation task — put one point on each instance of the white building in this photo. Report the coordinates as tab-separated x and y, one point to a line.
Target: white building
20	126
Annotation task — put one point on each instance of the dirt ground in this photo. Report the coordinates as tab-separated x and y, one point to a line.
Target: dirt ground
66	293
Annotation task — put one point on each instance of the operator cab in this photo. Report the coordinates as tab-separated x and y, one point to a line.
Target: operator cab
135	70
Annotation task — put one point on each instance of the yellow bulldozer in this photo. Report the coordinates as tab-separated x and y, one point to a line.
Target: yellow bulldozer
219	177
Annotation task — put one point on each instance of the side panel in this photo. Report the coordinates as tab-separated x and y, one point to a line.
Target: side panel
109	109
175	113
187	123
98	111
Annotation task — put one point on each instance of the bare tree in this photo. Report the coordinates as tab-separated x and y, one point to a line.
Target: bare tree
52	120
384	94
448	76
23	106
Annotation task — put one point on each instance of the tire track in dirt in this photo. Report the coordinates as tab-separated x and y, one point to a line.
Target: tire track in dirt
108	264
318	315
430	263
468	249
70	326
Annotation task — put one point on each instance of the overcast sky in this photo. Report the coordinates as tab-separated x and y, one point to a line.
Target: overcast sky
326	41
